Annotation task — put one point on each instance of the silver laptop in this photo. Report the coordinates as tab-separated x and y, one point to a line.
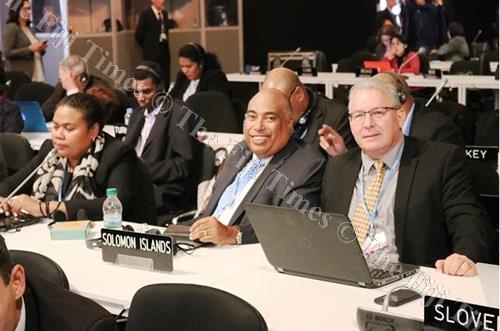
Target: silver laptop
295	244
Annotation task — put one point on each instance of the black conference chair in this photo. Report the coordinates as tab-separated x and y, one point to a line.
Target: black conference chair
216	109
358	59
475	67
460	115
189	307
344	65
37	265
34	91
487	128
16	151
17	79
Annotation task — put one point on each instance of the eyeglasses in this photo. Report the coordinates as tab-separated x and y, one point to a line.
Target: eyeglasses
376	113
143	92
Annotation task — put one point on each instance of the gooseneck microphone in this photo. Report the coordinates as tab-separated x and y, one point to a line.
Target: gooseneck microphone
477	36
421	50
49	155
438	90
290	56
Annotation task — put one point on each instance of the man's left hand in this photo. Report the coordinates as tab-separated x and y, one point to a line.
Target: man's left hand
209	229
458	265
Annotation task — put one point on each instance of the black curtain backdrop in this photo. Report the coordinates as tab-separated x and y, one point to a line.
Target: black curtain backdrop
339	28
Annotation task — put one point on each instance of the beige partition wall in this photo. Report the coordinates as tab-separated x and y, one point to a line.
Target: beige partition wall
225	43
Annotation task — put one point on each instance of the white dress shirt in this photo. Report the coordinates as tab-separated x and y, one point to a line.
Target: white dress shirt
191	89
21	325
149	121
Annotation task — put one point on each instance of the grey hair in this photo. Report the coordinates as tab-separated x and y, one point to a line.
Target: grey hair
376	85
75	64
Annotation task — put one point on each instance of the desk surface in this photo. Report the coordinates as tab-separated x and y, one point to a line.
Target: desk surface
286	302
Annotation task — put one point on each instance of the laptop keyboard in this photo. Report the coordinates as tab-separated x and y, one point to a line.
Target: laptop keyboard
12	223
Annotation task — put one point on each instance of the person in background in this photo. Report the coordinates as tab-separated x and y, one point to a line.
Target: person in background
78	164
165	142
28	302
384	37
11	119
151	34
200	71
404	60
73	78
421	207
457	48
310	110
22	49
109	99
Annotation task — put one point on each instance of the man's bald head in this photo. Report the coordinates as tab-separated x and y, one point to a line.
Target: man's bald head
268	123
288	83
282	79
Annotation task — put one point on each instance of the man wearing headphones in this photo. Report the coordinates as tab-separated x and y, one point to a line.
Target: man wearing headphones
420	122
73	78
162	140
310	110
408	199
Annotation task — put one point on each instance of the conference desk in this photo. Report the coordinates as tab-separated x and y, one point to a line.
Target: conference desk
446	65
286	302
333	79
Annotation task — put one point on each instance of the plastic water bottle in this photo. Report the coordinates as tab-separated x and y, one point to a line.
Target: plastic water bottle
112	210
127	116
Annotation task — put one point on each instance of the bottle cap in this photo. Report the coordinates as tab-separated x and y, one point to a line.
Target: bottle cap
112	192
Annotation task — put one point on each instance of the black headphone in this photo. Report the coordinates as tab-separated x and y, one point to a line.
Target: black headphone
200	52
147	68
400	91
84	77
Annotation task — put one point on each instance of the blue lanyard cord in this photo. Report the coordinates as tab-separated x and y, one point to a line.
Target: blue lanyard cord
389	173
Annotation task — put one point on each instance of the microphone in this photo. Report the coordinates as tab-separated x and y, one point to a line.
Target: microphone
438	90
49	155
477	36
421	50
290	56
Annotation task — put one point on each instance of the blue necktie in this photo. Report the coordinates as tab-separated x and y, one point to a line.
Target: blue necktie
232	191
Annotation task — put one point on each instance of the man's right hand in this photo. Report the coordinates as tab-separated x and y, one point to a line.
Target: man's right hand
331	141
67	80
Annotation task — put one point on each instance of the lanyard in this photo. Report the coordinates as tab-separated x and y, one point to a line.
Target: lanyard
361	193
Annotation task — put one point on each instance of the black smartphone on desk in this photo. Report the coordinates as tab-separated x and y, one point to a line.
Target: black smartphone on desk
398	298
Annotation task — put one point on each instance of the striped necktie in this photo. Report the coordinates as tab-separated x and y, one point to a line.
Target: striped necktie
360	220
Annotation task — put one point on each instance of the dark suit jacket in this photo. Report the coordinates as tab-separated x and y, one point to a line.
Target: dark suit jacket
435	210
171	155
326	111
10	117
49	106
147	35
432	125
210	80
118	168
52	308
295	162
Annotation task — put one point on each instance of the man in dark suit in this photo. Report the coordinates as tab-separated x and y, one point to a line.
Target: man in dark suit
399	21
162	138
30	303
413	197
420	122
151	34
270	167
310	110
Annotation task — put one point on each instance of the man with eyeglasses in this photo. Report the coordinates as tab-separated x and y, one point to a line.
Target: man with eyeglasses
408	199
309	109
270	167
420	122
166	147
